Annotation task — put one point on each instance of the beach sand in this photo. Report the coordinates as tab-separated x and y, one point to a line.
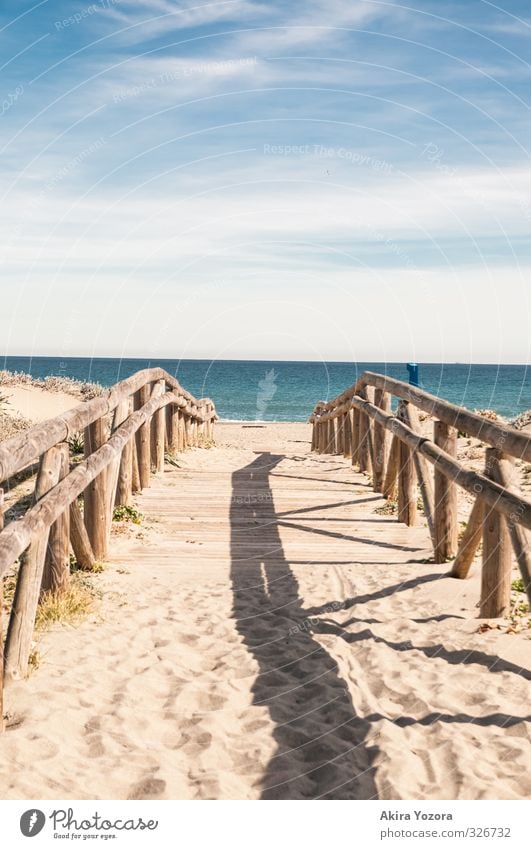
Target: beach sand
36	404
296	660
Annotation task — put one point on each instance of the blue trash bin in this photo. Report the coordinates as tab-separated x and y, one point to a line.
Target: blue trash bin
413	370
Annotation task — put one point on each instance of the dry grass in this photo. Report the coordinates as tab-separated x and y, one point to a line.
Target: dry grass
11	425
205	441
388	509
68	605
53	383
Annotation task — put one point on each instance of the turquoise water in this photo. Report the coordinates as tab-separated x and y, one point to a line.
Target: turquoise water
287	391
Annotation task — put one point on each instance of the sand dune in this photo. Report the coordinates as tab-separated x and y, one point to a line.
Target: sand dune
37	404
253	642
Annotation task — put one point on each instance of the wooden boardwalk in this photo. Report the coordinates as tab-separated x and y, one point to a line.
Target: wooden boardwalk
270	630
321	656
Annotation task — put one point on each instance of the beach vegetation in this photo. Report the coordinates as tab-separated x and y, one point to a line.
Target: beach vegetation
53	383
388	509
205	441
172	459
68	604
127	513
77	443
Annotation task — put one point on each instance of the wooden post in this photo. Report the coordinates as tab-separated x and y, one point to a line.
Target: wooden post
470	541
201	426
187	431
393	465
347	431
210	426
143	439
182	431
135	474
364	451
95	500
383	400
27	590
355	436
323	437
407	487
56	573
496	570
330	435
173	434
504	471
445	508
158	430
195	430
168	433
410	416
124	487
340	433
1	624
79	538
121	414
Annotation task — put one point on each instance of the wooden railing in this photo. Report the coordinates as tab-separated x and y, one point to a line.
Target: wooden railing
356	424
126	431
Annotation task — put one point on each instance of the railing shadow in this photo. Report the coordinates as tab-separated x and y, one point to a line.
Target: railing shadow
322	748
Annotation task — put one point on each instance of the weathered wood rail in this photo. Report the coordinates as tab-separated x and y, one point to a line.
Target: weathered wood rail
127	431
357	424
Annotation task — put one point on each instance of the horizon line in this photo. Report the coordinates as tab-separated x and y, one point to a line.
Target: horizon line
6	357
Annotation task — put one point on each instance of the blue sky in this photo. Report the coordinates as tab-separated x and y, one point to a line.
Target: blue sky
320	180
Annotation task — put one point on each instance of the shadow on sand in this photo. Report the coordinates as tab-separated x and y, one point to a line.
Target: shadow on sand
321	743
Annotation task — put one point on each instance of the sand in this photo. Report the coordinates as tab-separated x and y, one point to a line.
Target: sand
36	404
252	643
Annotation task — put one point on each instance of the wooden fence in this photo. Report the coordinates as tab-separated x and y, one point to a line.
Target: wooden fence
357	423
126	434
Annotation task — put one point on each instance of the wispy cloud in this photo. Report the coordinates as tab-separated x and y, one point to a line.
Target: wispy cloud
259	151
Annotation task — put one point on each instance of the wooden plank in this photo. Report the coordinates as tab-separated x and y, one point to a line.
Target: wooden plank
445	491
496	568
28	586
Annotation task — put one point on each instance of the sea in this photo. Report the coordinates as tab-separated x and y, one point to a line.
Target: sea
257	390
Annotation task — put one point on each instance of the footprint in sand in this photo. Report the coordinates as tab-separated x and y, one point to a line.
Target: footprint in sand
96	747
148	788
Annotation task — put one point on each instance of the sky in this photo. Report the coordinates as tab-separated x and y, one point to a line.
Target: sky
321	180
